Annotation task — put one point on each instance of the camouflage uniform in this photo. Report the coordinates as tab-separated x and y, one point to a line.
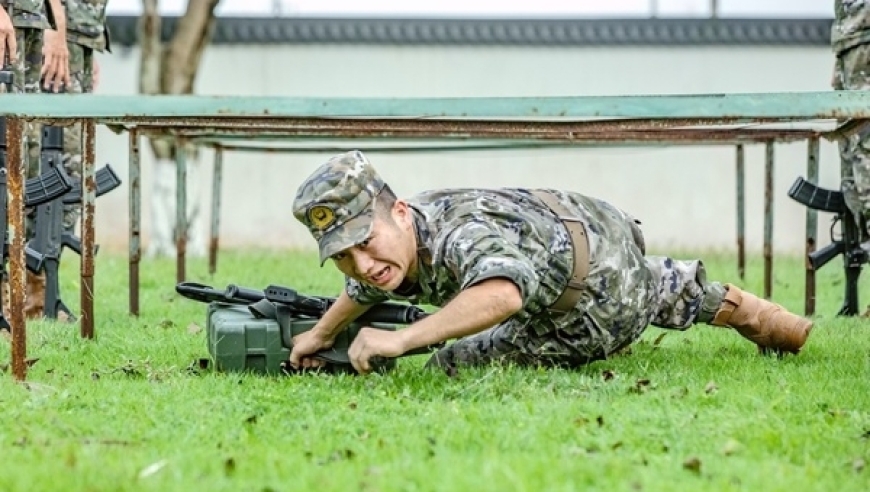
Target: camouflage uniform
86	32
850	40
30	21
28	17
465	236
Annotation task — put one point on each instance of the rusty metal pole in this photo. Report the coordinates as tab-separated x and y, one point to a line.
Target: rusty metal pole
15	221
135	208
741	211
812	228
89	198
768	220
216	182
180	209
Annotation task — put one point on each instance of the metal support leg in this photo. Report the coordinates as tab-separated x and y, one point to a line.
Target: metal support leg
89	198
768	220
217	179
812	226
135	209
741	212
15	220
180	209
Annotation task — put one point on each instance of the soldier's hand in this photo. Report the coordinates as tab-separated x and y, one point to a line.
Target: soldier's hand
55	61
304	345
371	342
95	76
8	43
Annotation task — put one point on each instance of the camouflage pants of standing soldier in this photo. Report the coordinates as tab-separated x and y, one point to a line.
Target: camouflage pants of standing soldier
852	72
26	74
625	293
82	81
25	79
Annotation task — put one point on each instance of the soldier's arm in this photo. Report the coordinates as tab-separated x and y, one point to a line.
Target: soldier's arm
496	279
342	313
475	309
8	44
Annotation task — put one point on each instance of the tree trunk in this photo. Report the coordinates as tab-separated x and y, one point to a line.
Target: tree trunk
172	69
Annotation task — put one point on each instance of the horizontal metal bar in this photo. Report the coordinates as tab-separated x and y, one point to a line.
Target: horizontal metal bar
734	125
462	146
775	105
489	130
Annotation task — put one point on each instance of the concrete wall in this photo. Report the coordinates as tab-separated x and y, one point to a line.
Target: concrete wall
684	195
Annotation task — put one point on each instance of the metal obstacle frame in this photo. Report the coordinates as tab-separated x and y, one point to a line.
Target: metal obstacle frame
720	119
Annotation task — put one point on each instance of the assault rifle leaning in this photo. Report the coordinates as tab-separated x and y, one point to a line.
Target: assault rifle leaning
253	330
48	186
853	232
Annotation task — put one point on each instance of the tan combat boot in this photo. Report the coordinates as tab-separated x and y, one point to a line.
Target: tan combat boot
767	324
34	302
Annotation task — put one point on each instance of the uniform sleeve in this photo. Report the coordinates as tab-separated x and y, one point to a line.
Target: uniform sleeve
476	251
363	294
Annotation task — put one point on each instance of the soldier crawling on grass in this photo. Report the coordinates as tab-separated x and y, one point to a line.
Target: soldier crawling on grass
532	277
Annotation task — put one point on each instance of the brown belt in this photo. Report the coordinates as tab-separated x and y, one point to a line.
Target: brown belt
579	244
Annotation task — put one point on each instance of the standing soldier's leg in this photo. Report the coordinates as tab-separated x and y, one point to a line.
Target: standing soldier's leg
18	71
35	298
852	72
26	80
81	76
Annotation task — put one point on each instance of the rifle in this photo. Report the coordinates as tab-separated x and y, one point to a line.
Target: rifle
254	329
853	232
43	251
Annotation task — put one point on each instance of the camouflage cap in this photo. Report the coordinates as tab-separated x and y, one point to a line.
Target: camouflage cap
336	203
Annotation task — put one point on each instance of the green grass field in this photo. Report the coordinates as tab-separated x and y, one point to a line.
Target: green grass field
694	410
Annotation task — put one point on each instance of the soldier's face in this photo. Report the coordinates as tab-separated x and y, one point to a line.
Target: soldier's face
388	256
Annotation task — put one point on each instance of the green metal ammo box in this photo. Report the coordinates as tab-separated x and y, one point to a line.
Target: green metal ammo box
239	341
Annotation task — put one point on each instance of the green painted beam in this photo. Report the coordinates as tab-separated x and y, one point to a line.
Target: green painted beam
781	106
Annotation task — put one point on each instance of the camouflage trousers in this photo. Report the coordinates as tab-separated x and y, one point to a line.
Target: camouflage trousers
624	293
852	72
25	77
25	72
82	81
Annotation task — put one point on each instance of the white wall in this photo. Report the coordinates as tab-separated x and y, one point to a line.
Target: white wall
684	195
